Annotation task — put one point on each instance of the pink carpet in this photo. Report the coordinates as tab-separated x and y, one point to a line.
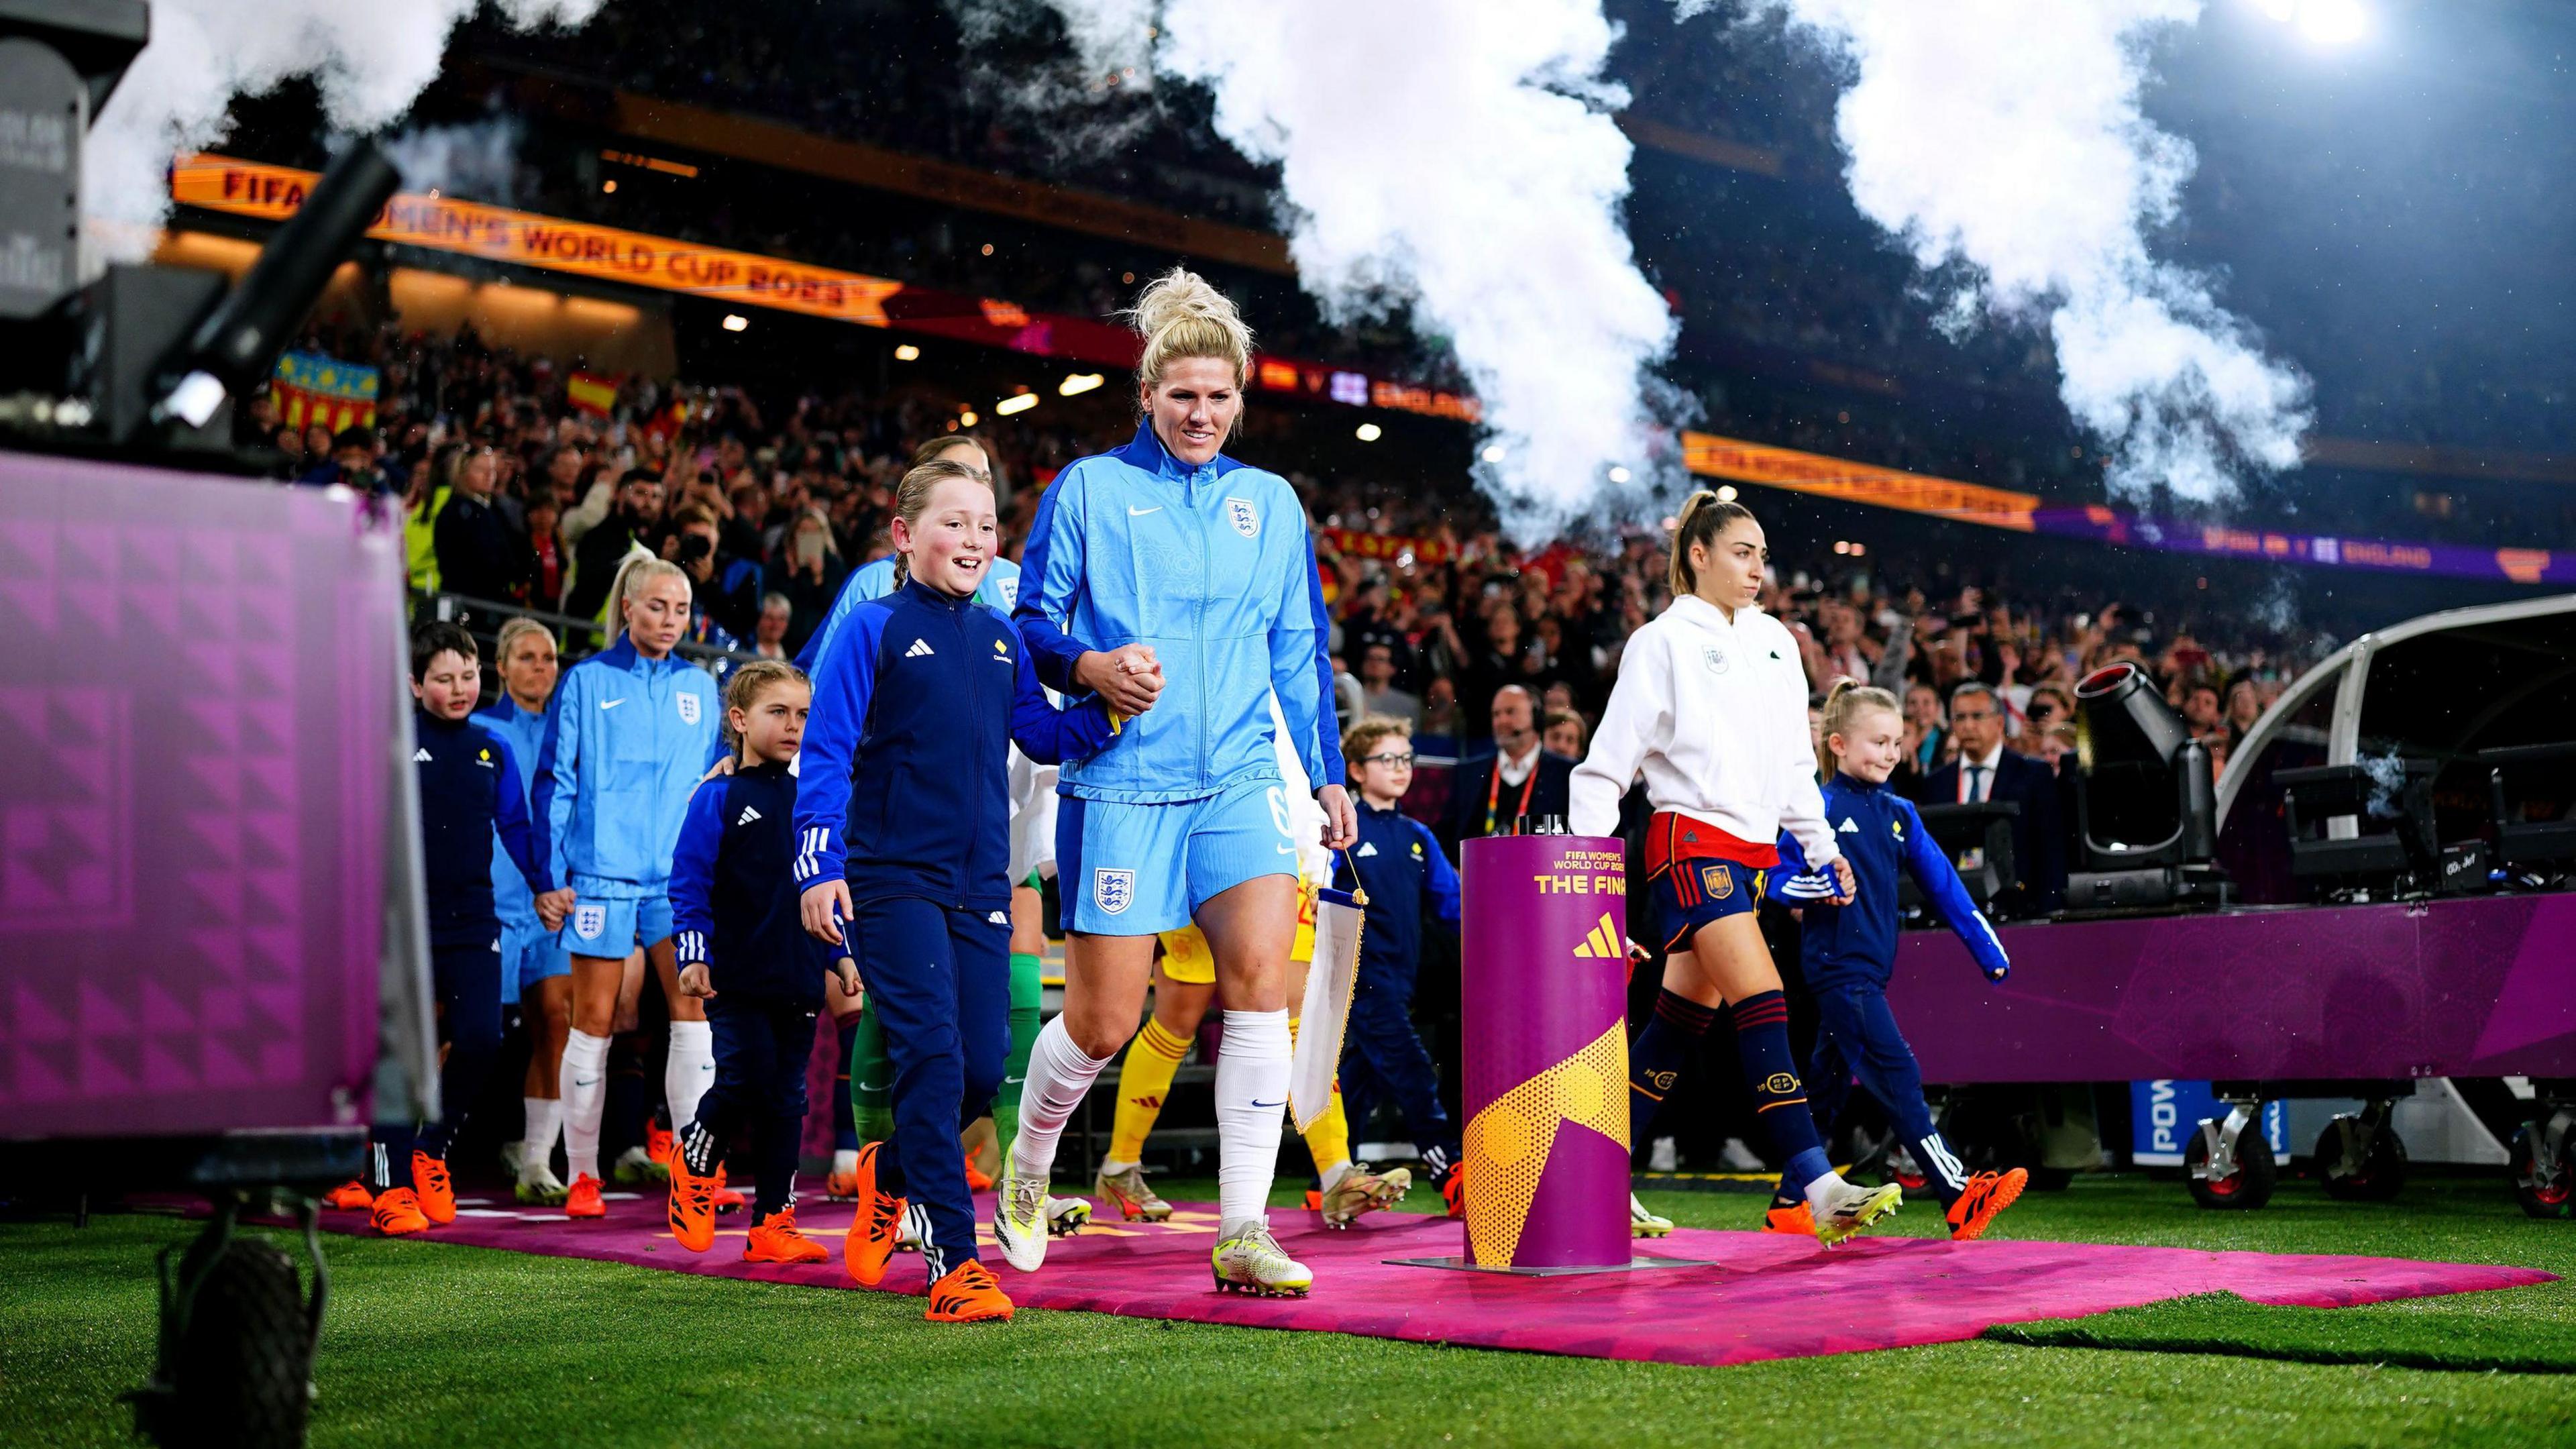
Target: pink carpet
1751	1297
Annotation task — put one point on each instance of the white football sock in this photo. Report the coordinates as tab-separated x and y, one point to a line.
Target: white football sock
545	1124
1059	1074
1111	1166
689	1070
584	1084
1251	1102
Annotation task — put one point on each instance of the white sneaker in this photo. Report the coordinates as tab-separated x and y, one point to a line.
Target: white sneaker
1253	1262
1019	1219
1842	1209
1664	1156
1643	1224
538	1186
1736	1157
1065	1216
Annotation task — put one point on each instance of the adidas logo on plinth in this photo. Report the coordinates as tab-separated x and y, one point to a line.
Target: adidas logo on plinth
1602	944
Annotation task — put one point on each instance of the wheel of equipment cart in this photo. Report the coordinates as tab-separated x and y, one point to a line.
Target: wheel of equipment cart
2545	1190
2383	1164
243	1378
2248	1188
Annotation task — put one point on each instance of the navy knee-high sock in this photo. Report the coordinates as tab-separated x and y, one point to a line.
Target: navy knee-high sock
1779	1099
622	1125
1656	1057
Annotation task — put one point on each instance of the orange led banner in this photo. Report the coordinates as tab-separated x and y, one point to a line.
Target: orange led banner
273	193
1736	460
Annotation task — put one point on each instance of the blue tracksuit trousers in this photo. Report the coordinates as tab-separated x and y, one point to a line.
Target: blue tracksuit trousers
940	981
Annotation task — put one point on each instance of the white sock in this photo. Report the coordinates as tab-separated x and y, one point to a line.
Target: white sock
1111	1166
1332	1176
545	1124
1251	1102
689	1070
1059	1074
845	1161
584	1084
1817	1190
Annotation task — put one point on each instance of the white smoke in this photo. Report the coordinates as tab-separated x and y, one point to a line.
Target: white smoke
2008	136
1457	158
370	59
479	159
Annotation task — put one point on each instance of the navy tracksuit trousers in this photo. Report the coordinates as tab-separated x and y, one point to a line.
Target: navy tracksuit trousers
940	981
762	1044
1383	1057
1857	1037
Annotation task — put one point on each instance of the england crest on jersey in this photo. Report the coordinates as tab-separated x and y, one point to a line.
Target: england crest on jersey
589	921
688	708
1113	890
1009	589
1245	517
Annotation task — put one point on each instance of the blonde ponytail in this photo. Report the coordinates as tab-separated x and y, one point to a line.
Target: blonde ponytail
1181	315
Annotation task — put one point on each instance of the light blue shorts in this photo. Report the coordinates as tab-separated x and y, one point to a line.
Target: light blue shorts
1134	870
529	954
612	925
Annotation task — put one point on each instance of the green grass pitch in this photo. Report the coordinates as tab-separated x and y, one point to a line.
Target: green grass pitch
444	1347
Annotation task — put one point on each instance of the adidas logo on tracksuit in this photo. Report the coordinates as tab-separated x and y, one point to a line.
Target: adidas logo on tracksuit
919	649
747	816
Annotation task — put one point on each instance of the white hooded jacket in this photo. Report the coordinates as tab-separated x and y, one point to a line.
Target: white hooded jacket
1716	714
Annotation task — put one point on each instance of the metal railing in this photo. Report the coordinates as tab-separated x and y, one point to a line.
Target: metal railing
575	638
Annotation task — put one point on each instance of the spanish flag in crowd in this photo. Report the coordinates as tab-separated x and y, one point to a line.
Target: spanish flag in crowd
311	388
590	393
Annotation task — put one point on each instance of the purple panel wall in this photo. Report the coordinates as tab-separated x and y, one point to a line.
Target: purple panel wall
2464	987
196	716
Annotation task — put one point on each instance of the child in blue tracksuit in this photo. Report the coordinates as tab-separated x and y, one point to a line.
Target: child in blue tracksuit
743	951
469	792
902	828
1850	950
1400	866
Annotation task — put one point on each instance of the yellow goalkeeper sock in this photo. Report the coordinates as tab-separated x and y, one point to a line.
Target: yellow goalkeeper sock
1329	1140
1144	1080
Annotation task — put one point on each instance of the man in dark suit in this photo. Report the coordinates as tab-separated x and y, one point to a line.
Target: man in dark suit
1487	795
1985	770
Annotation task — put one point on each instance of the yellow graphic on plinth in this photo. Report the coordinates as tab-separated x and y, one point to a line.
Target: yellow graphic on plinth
1509	1141
1602	944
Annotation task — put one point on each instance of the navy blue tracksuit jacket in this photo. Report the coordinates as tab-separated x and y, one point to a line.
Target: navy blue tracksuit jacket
469	790
733	901
905	792
1398	862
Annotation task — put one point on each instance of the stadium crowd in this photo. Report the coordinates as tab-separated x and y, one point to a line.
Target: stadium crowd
515	497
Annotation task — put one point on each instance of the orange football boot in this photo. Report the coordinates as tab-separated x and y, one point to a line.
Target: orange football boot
873	1231
693	1204
349	1197
727	1200
660	1143
1988	1194
968	1295
1453	1190
398	1213
776	1240
429	1180
584	1201
977	1180
1795	1220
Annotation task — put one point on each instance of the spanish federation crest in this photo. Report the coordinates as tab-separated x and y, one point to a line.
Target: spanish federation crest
1113	890
589	921
688	708
1245	517
1718	881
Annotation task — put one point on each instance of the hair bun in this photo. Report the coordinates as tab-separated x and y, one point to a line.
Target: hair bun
1181	295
